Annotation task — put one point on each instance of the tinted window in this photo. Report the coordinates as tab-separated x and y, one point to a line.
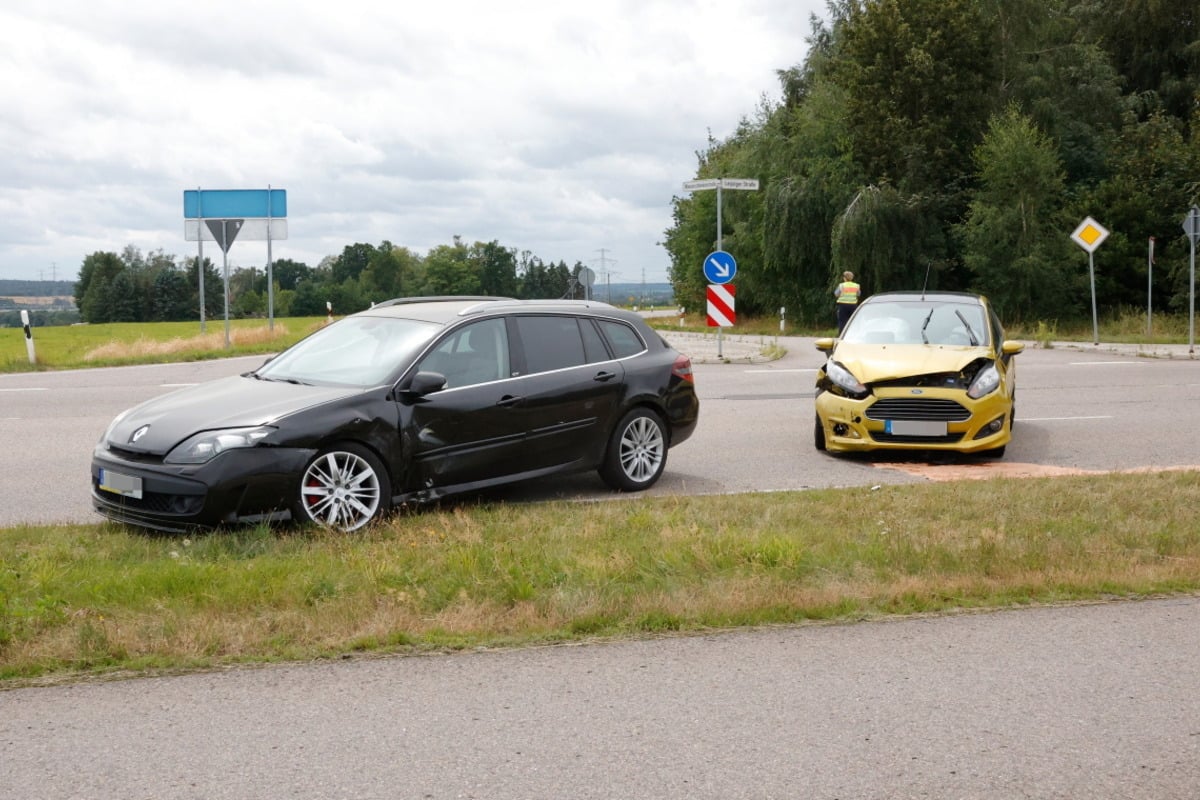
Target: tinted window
593	344
473	354
624	340
550	343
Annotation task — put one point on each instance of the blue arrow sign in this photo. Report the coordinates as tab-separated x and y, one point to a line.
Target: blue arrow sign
719	267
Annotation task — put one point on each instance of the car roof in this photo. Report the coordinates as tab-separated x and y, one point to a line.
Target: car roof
917	297
445	310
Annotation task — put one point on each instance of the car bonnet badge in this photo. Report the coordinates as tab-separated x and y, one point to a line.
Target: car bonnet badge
139	433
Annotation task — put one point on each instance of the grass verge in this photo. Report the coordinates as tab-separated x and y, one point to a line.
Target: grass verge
93	600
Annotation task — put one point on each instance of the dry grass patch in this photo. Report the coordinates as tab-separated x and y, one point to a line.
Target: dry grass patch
145	347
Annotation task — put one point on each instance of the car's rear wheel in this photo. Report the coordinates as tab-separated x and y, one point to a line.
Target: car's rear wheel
344	487
637	452
819	435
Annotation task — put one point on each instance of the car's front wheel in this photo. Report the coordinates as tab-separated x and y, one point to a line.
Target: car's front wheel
637	452
343	487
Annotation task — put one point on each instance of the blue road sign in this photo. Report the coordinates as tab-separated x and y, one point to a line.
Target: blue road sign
719	267
228	203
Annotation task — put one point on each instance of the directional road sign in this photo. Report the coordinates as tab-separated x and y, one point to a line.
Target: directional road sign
721	305
719	267
1191	225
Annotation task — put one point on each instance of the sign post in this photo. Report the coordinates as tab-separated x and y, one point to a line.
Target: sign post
719	266
221	216
1191	226
1090	235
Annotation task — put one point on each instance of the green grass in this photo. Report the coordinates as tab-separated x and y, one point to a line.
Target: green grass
77	600
122	343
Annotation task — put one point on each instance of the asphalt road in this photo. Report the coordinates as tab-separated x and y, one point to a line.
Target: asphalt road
1075	411
1096	701
1079	702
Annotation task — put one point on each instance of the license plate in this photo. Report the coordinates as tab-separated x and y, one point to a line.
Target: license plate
117	483
914	427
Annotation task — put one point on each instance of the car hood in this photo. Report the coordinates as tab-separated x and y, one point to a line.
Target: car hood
234	402
873	362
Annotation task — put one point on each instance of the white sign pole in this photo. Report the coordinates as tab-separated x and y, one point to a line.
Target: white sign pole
742	184
1090	235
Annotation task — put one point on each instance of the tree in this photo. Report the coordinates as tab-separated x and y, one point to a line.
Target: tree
916	76
92	292
171	297
497	268
449	270
1013	236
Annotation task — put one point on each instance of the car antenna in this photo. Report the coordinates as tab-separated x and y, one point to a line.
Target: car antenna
928	264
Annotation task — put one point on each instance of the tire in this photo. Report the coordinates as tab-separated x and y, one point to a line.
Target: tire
637	452
995	453
819	435
344	487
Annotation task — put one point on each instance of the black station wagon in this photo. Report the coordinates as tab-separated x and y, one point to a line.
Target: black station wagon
410	401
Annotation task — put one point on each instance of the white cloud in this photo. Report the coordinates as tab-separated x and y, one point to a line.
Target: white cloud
558	128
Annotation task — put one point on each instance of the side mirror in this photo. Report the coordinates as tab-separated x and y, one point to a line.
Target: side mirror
824	345
424	383
1011	348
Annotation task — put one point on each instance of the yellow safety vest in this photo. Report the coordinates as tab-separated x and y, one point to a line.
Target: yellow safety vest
848	292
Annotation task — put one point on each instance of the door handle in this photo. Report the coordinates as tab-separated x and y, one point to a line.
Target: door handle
604	376
509	400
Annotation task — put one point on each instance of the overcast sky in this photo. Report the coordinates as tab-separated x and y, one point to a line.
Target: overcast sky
550	126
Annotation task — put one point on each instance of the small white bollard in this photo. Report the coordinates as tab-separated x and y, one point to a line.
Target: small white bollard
28	337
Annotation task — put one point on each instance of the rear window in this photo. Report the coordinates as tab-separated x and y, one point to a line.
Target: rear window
624	340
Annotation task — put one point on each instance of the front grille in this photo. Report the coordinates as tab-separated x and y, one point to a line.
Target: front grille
917	408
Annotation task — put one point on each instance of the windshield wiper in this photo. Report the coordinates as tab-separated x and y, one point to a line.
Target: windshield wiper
970	330
925	338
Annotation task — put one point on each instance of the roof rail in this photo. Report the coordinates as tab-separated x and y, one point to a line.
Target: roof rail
399	301
506	302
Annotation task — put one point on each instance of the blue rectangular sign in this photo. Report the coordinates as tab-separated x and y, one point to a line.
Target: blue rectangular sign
234	203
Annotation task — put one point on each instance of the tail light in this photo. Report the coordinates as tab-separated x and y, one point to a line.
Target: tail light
682	369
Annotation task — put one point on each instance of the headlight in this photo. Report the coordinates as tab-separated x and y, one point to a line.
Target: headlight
843	378
985	382
208	445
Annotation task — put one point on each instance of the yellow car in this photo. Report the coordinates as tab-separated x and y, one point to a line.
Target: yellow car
918	371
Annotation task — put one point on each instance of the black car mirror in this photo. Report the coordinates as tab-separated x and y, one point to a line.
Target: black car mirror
424	383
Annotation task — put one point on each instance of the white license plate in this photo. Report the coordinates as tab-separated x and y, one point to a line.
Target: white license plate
117	483
914	427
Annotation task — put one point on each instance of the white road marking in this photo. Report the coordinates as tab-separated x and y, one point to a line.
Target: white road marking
1058	419
26	389
1107	363
177	385
775	371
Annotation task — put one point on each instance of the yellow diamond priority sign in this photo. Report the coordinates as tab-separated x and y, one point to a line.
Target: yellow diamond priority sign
1090	235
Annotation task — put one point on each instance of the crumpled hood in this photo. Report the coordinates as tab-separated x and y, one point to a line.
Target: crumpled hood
234	402
874	362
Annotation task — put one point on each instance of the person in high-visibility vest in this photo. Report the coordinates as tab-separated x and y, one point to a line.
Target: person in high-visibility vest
847	293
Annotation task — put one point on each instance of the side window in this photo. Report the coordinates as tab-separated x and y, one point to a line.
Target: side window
550	343
477	353
624	340
593	344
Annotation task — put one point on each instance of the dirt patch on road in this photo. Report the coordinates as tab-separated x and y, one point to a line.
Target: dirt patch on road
1006	469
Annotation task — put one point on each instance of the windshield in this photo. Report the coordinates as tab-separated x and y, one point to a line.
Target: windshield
355	351
918	322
